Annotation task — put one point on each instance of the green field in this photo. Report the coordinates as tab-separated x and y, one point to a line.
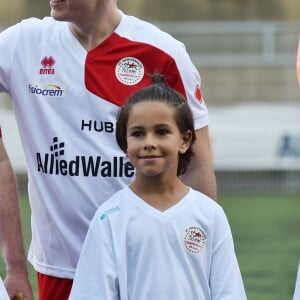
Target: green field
266	233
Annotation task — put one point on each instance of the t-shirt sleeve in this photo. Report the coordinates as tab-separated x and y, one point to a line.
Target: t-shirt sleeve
96	274
192	85
225	277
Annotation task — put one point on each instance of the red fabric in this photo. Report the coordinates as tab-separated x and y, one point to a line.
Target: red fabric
0	133
53	288
298	62
102	64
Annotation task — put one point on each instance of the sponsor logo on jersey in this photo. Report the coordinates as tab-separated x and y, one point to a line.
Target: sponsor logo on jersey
54	163
194	240
50	90
47	63
129	71
97	126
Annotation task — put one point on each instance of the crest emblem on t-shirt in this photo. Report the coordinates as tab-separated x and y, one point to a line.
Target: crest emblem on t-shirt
194	240
129	70
47	63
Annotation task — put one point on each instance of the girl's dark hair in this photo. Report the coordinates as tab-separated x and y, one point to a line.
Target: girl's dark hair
159	92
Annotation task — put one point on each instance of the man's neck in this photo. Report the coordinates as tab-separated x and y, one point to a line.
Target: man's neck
92	34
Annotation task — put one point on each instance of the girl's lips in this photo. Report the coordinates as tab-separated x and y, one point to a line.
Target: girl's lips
150	158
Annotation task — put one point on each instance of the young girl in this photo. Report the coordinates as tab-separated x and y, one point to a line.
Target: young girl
158	239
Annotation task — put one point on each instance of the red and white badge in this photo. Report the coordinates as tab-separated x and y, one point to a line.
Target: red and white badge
194	240
129	71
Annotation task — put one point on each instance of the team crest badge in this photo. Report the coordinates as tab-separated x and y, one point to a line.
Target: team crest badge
129	71
194	240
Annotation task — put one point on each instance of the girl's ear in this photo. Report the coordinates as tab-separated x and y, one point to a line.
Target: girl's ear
186	142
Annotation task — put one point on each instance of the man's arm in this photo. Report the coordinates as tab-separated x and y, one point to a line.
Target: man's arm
200	174
11	241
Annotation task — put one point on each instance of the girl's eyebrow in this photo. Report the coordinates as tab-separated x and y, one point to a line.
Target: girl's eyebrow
162	125
155	126
135	127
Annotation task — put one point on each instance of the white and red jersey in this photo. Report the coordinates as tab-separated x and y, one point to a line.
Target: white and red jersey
134	251
65	101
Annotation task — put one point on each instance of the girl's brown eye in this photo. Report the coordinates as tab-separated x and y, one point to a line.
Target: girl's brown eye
163	131
137	133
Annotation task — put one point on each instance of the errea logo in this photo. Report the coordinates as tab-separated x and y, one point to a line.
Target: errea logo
47	63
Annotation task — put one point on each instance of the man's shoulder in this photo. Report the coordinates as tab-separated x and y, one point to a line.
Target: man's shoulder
38	24
33	30
145	31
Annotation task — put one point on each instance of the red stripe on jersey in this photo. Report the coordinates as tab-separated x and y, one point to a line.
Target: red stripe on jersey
0	133
103	62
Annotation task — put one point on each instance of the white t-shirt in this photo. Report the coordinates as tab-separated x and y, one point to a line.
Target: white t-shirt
297	285
65	101
134	251
3	292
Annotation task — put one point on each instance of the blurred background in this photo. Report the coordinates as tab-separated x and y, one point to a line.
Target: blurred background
245	51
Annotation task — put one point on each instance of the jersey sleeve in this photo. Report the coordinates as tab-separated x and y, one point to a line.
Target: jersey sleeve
8	42
225	278
192	85
96	275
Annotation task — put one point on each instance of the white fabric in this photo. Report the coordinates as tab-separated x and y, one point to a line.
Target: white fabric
297	286
67	130
133	251
3	292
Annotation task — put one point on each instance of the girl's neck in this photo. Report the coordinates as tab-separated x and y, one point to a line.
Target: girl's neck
159	194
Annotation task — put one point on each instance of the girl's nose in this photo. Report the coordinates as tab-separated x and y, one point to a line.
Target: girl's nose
149	143
149	147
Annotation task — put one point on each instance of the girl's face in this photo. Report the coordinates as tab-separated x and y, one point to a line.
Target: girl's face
154	141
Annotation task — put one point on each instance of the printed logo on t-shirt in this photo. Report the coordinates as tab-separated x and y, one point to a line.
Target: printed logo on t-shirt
47	63
50	90
194	240
129	71
109	211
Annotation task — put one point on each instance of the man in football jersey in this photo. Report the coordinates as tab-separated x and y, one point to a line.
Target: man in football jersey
67	75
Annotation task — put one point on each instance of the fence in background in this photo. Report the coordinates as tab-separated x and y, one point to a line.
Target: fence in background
242	61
